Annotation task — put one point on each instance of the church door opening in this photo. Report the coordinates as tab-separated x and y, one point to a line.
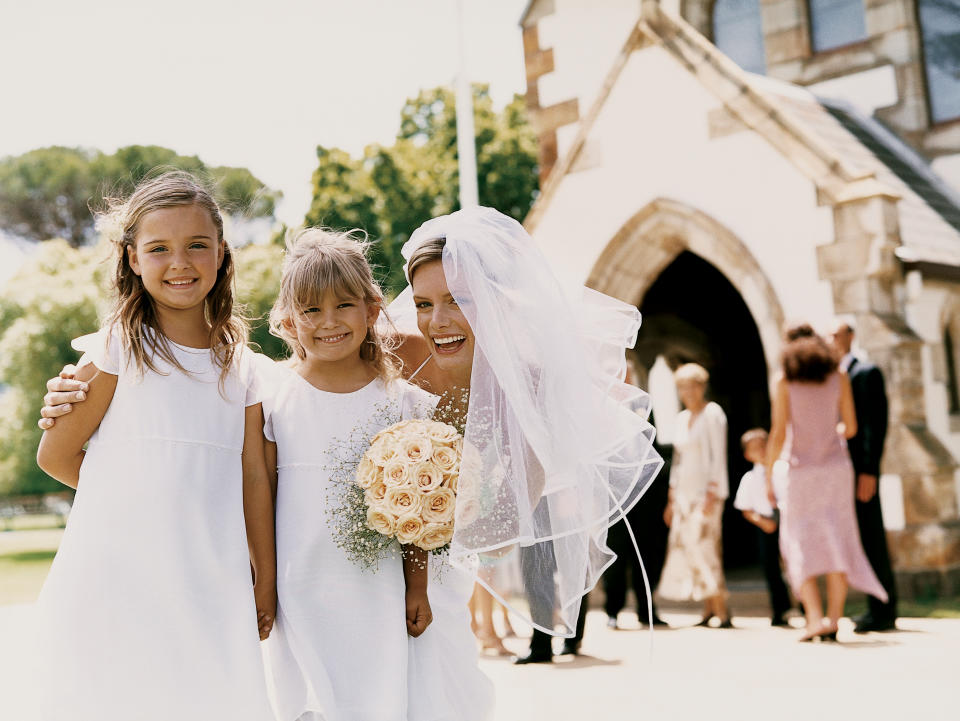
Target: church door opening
692	313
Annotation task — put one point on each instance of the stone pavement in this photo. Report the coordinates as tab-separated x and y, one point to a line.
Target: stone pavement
750	673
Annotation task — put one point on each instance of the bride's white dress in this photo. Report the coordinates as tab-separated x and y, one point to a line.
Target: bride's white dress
340	650
148	611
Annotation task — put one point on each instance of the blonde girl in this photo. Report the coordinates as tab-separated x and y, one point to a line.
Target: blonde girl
338	625
149	611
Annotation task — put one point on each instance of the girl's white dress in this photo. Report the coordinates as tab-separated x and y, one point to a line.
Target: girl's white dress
148	611
339	650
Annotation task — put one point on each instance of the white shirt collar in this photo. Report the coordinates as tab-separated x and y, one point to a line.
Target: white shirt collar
846	361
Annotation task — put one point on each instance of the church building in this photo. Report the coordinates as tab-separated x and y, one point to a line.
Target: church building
729	165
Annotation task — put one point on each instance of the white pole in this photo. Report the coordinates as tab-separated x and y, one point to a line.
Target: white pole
466	143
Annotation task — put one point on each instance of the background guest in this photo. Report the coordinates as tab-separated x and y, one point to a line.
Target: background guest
866	449
756	507
698	489
818	529
646	521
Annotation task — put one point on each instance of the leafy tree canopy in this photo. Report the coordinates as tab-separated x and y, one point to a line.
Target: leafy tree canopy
391	190
49	192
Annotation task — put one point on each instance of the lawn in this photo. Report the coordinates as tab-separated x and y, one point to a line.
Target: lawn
25	558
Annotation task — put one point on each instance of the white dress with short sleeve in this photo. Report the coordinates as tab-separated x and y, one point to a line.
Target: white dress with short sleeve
148	611
339	650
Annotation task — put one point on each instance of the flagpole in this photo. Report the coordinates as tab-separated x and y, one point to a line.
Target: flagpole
466	143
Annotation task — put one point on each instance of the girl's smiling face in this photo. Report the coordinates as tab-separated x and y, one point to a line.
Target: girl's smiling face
441	321
334	328
177	255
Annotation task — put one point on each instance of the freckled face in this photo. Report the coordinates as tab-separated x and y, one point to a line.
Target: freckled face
441	321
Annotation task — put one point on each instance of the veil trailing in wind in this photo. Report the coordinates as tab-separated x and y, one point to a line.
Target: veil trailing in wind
556	446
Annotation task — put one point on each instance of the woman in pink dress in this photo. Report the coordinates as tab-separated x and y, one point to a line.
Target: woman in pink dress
818	524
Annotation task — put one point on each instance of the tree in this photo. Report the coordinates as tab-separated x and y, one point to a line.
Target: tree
61	294
49	192
55	298
392	190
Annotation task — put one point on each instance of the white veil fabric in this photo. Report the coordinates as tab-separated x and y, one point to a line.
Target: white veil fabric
556	446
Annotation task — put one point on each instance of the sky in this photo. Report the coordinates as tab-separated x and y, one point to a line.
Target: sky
242	83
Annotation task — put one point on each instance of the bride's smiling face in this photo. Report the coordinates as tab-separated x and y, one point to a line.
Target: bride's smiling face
441	321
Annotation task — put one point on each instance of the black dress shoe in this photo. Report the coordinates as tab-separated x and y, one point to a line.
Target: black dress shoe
726	623
657	621
867	624
570	649
538	656
778	621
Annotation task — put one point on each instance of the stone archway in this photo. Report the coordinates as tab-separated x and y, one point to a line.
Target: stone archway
656	235
653	262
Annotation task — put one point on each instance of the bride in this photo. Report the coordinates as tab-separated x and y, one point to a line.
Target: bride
534	378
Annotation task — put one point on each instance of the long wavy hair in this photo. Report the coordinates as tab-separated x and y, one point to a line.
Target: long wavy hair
134	312
318	260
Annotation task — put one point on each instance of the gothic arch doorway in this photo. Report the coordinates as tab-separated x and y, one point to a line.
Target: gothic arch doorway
705	299
712	326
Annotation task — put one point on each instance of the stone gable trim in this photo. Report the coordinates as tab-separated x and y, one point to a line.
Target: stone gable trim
836	181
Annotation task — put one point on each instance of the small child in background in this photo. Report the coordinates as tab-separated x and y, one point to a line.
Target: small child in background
752	500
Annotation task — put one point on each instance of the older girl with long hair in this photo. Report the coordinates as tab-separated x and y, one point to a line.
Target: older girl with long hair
149	611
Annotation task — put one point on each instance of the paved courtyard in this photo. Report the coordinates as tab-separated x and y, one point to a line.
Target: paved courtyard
751	672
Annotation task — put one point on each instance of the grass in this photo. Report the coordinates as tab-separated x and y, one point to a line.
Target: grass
30	522
22	573
914	608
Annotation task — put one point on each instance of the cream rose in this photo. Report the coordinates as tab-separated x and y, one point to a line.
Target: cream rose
381	522
383	450
426	476
435	535
375	493
367	472
402	501
445	458
396	473
467	511
442	433
415	447
438	506
409	528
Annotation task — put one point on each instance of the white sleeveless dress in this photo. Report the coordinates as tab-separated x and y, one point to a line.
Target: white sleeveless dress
340	650
148	611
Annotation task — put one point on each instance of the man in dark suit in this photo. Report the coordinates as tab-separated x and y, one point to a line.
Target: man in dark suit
646	520
866	448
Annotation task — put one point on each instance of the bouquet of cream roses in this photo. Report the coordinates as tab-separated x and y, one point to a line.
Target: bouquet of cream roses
409	477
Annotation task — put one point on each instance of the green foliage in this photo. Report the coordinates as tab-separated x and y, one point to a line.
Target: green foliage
52	300
391	190
60	295
258	281
49	192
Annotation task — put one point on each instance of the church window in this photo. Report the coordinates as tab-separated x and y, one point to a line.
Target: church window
940	29
738	32
835	23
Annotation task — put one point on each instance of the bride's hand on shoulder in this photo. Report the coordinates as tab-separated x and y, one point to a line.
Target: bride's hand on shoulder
419	614
62	392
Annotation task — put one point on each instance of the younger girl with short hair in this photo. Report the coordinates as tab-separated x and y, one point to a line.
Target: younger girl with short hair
148	611
340	648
